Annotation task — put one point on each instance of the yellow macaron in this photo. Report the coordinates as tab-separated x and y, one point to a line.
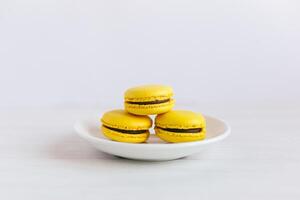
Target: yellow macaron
121	126
180	126
149	99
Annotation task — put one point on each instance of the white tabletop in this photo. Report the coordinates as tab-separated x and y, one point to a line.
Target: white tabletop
42	158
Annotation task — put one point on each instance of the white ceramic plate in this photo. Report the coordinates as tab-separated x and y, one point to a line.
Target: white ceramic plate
154	149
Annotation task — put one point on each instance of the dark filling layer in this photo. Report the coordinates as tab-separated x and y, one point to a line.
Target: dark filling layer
148	102
176	130
126	131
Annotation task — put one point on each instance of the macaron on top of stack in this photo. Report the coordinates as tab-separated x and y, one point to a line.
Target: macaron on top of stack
122	126
180	126
149	99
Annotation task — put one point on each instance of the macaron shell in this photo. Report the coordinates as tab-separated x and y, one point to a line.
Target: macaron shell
148	93
180	119
121	119
151	109
179	137
123	137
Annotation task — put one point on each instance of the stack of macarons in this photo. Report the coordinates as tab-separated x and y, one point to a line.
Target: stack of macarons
132	124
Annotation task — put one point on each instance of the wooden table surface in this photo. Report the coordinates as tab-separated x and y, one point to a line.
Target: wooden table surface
42	158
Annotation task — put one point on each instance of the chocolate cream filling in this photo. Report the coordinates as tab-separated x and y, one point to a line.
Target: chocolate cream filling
126	131
149	102
176	130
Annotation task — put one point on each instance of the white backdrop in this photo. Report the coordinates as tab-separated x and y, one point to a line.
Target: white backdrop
88	52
